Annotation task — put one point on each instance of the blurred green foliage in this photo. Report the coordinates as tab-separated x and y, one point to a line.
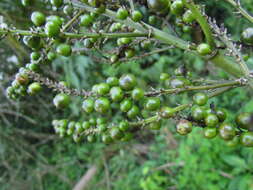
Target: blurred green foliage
31	157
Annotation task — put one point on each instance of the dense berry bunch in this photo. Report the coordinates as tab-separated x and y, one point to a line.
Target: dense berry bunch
118	107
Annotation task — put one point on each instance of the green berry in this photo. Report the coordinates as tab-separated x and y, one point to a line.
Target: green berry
112	81
211	120
177	7
210	132
56	3
136	16
126	105
51	56
78	128
64	50
164	76
86	20
227	131
88	105
245	120
234	142
116	133
247	139
91	138
26	2
184	127
122	14
102	127
153	103
133	112
102	105
92	121
68	10
101	120
129	53
114	58
55	19
35	56
52	29
127	82
107	139
86	125
204	49
116	94
158	5
61	100
200	99
137	94
167	112
38	18
103	89
155	125
221	114
34	88
247	36
124	126
188	17
198	113
178	82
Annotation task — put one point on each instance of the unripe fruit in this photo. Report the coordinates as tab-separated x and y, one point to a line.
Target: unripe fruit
167	112
112	81
200	99
56	3
52	29
232	143
51	56
210	133
92	121
61	100
102	105
33	67
188	17
245	120
133	112
22	79
114	58
164	76
55	19
32	42
227	131
153	103
127	82
204	49
34	56
78	128
26	2
136	16
247	36
178	82
137	94
88	105
247	139
211	120
64	50
155	125
38	18
103	89
34	88
107	138
184	127
85	125
158	5
221	114
129	53
116	94
116	133
68	10
198	113
91	138
126	105
123	125
86	20
102	128
177	7
122	14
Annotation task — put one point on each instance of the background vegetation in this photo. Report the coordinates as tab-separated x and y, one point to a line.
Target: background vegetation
32	157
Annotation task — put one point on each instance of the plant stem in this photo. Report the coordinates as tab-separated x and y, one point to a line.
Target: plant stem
241	10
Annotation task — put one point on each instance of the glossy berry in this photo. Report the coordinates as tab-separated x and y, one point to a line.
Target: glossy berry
211	120
88	105
92	121
91	138
34	88
86	125
124	126
64	50
133	112
102	127
167	112
158	5
38	18
153	103
56	3
200	99
103	88
55	19
247	36
245	120
177	7
86	20
102	105
116	94
164	76
21	79
26	2
116	133
210	132
136	16
33	67
227	131
51	56
112	81
32	42
155	125
184	127
126	105
198	113
122	14
127	82
52	29
34	56
114	58
68	10
129	53
246	139
204	49
106	139
78	127
177	82
137	94
221	114
152	20
61	100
